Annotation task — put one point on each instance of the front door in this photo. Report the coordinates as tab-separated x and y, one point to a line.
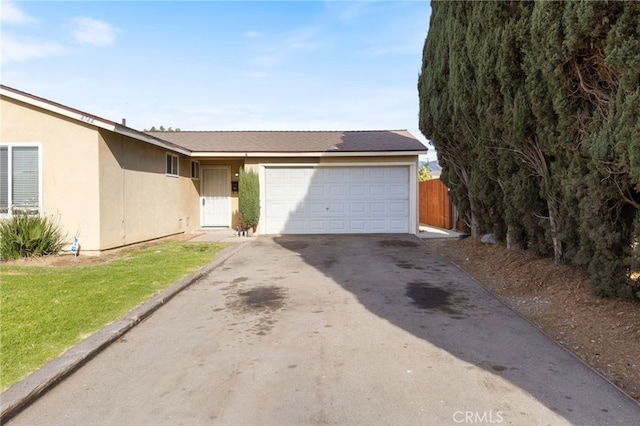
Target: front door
215	203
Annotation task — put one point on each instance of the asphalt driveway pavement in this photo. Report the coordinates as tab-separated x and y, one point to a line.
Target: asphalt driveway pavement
360	330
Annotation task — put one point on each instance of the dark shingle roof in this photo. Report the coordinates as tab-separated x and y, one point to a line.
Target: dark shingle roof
231	142
294	141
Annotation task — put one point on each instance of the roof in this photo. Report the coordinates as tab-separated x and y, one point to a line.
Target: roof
87	118
368	141
245	143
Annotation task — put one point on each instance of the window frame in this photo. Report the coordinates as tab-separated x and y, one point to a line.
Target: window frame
169	166
196	175
10	146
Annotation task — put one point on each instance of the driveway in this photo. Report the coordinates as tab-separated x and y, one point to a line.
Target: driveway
359	330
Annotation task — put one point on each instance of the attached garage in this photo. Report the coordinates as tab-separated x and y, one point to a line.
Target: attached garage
342	200
311	182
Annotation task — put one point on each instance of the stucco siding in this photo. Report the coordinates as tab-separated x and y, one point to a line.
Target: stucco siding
69	152
139	201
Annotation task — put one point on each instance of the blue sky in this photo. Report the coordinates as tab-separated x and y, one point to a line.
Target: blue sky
213	65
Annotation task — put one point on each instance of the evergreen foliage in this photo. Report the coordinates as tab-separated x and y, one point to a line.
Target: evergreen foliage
534	109
249	198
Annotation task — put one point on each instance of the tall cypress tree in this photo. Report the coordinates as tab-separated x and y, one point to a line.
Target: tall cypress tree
534	109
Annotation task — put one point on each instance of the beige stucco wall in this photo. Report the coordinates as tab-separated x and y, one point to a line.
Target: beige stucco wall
139	201
69	152
109	190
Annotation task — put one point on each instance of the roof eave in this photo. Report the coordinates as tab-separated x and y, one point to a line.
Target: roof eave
66	112
90	119
309	154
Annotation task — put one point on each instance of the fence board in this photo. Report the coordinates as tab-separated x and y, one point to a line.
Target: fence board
435	206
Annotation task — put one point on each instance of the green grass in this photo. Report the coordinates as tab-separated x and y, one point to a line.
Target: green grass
46	310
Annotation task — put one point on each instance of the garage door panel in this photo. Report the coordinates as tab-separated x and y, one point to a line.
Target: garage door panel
337	190
357	208
308	200
377	190
335	174
316	208
377	174
398	225
357	175
337	225
297	192
298	174
398	173
377	225
377	207
357	191
357	225
295	226
279	192
398	191
398	207
336	208
316	192
316	226
279	208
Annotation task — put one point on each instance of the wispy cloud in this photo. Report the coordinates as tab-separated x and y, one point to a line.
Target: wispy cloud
349	11
94	32
252	34
10	13
303	39
277	51
19	50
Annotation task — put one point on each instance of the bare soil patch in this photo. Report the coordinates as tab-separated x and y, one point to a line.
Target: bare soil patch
604	333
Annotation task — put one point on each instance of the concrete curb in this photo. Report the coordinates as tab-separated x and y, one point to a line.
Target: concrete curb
26	391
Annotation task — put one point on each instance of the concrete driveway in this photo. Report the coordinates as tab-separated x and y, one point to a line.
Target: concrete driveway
359	330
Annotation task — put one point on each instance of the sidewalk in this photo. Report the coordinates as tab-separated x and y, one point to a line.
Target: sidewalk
428	232
229	235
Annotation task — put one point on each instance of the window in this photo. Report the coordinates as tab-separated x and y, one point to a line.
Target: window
19	179
195	169
172	164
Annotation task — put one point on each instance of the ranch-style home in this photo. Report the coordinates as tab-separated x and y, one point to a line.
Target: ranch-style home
113	186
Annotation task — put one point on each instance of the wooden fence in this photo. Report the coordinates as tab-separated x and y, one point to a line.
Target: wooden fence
435	206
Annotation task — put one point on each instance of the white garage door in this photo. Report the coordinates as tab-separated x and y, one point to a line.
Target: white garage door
337	200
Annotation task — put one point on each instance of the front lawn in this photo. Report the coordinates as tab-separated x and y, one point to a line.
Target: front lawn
46	310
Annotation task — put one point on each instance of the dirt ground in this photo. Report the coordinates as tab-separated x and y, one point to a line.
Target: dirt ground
604	333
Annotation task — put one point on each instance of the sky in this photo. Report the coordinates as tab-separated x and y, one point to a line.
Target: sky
222	65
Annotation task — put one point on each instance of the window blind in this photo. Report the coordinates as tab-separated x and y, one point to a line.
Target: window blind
4	179
24	173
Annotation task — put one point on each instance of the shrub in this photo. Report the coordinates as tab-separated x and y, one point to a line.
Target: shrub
24	235
249	198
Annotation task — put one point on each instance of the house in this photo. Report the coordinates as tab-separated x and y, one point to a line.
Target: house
113	186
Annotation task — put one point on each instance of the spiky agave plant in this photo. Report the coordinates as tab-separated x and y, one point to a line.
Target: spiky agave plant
25	235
